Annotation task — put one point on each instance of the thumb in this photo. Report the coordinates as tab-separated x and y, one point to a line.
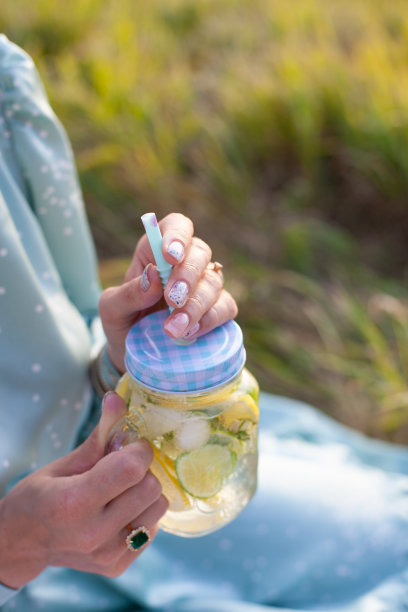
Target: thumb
91	450
118	305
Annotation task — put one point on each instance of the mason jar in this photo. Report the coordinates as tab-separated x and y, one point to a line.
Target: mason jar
198	407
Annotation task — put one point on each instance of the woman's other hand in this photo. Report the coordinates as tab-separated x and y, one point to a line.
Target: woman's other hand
195	289
75	511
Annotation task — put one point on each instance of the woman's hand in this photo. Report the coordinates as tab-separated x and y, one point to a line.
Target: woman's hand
194	289
74	512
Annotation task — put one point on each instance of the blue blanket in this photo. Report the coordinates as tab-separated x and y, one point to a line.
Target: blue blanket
327	530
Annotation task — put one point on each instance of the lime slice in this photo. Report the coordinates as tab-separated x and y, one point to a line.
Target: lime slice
202	472
163	469
225	438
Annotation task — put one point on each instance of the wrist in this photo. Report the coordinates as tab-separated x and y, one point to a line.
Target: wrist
104	373
20	560
114	360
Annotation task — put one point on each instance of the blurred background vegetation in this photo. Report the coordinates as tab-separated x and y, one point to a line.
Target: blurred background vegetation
281	130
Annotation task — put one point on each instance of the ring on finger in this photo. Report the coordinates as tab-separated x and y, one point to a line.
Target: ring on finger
216	266
137	537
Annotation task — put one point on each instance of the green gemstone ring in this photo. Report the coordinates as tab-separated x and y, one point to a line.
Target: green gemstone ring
137	537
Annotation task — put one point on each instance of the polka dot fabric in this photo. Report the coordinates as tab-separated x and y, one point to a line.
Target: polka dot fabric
48	284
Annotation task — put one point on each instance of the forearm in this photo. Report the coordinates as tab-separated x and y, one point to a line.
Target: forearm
23	541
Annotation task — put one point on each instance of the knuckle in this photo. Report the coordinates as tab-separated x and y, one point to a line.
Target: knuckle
195	307
88	541
214	279
203	246
192	271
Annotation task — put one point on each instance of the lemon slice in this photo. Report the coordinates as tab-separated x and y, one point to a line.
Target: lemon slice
160	467
202	472
243	408
122	387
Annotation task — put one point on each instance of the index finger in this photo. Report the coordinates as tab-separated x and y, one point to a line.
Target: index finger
177	231
117	472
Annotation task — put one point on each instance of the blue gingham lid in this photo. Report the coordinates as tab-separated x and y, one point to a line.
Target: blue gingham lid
155	361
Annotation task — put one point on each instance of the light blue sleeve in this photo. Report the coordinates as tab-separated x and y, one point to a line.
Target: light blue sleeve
6	594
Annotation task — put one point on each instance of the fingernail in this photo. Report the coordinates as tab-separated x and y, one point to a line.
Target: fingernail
177	324
105	397
176	250
115	443
178	293
144	282
192	331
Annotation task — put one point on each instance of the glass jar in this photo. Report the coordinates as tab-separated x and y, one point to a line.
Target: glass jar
198	406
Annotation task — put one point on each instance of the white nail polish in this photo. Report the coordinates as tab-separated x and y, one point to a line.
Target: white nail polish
178	293
176	250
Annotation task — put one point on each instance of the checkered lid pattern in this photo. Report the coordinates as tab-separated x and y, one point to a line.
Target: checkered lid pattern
155	361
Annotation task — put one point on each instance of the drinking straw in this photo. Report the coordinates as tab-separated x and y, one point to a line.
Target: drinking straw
155	239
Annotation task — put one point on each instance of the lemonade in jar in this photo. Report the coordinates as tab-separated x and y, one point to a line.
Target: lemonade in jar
198	407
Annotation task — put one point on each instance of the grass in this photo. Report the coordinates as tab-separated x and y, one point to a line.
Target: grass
281	129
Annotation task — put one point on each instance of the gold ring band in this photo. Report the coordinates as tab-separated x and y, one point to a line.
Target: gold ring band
215	265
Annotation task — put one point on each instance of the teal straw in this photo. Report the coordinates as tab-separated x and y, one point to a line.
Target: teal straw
155	239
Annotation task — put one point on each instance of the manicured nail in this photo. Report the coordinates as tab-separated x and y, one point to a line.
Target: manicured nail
145	283
177	324
105	397
115	443
178	293
192	331
176	250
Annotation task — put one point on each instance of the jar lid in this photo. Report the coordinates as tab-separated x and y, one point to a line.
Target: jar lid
154	360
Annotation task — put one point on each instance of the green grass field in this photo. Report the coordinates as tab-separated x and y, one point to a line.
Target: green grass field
281	130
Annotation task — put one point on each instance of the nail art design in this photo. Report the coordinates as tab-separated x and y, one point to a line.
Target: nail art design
176	250
192	331
144	282
178	293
